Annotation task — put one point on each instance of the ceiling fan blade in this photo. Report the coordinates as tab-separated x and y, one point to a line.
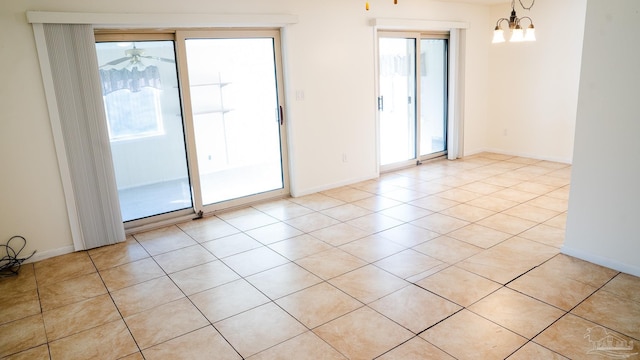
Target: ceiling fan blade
159	59
116	61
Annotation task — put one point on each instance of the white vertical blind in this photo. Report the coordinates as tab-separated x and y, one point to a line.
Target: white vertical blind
456	95
72	67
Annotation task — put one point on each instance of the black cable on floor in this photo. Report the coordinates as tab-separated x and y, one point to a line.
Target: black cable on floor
10	263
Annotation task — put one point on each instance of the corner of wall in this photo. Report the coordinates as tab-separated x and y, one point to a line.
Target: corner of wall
50	253
601	260
302	192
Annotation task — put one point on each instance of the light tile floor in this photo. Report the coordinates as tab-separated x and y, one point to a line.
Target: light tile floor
450	259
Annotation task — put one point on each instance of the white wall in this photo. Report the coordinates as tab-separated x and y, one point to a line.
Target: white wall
534	85
31	198
329	55
602	225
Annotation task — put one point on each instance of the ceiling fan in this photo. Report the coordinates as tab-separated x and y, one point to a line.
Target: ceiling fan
135	56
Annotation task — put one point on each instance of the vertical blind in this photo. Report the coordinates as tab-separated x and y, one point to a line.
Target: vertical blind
455	121
77	94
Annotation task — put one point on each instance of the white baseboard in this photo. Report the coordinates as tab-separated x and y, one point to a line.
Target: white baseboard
602	261
515	153
473	152
41	255
303	192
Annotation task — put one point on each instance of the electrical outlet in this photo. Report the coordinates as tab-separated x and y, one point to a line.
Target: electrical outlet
344	158
505	132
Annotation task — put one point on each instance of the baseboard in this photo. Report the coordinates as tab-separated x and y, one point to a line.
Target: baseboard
303	192
309	191
602	261
530	156
474	152
41	255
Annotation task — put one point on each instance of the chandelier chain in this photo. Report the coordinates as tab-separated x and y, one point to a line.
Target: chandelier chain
525	7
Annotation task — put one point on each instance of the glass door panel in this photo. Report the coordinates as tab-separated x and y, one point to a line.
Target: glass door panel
396	102
142	103
433	96
234	103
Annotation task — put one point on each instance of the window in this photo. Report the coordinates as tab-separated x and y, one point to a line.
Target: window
132	115
131	89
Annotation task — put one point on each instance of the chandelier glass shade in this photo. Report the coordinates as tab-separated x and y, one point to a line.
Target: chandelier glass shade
518	33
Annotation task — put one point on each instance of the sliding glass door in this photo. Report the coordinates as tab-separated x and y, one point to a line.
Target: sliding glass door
396	102
412	101
195	120
142	104
433	96
236	118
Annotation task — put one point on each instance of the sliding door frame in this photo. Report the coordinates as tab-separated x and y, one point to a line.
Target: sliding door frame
133	35
435	36
181	56
456	90
179	37
417	36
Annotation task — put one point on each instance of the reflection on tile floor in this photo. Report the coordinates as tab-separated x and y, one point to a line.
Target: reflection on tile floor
447	260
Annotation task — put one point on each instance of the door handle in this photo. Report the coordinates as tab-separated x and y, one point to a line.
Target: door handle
281	116
380	103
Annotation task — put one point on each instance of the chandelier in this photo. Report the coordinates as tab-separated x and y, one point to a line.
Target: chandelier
517	32
366	5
